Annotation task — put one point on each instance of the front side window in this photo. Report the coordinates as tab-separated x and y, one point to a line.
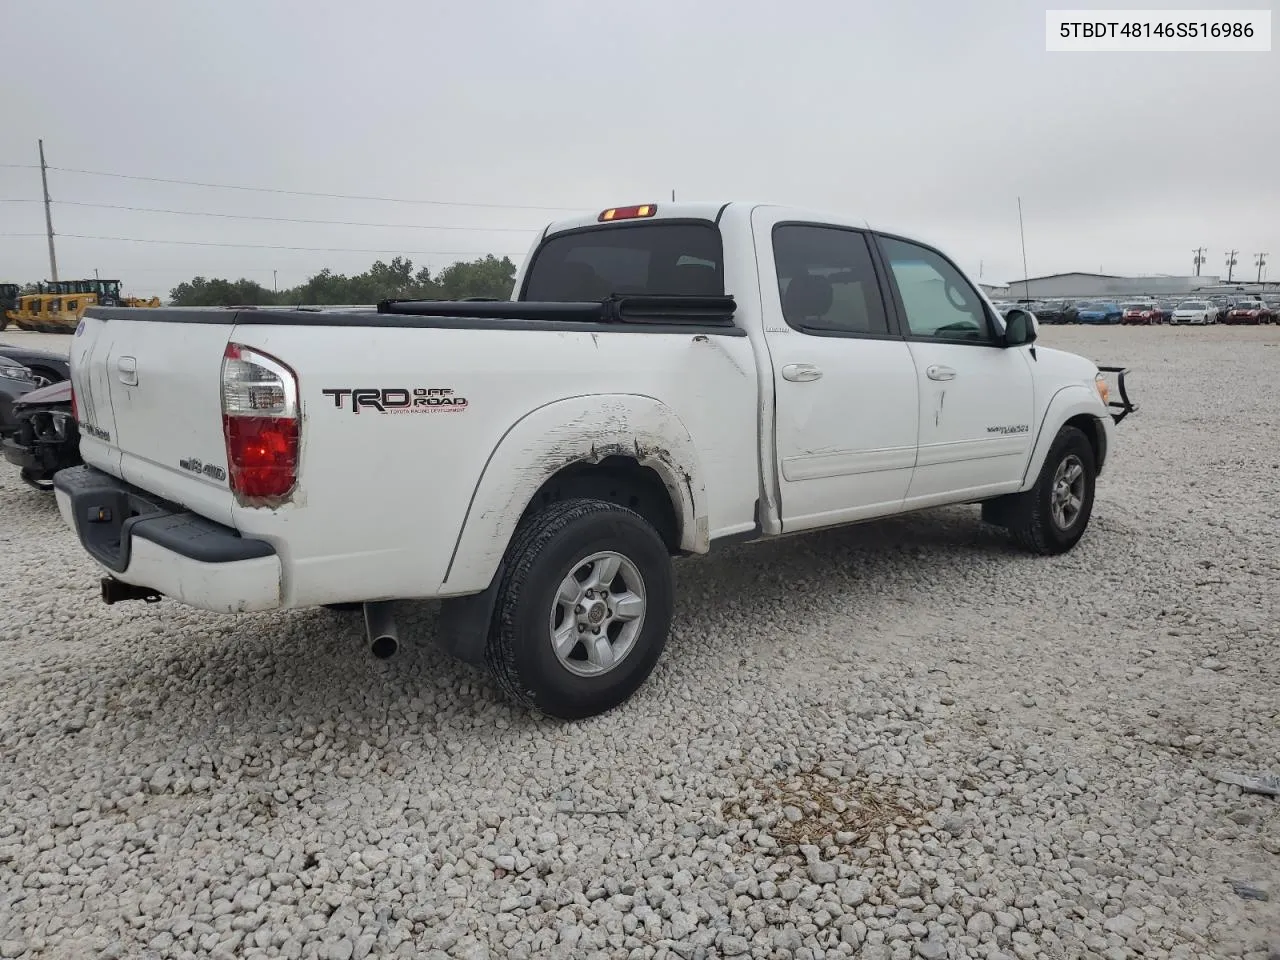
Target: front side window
655	258
826	281
939	303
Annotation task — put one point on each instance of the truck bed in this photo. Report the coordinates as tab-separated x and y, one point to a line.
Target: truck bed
384	490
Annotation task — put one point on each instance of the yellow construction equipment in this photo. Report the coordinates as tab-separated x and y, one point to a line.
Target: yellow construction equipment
57	307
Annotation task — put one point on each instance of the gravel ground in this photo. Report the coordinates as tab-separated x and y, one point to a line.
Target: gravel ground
905	739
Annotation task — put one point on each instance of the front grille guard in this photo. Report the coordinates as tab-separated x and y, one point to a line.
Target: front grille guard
1124	406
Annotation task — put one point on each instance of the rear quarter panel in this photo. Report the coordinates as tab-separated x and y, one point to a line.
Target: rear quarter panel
381	497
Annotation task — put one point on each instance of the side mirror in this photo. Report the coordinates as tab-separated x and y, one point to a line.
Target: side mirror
1019	328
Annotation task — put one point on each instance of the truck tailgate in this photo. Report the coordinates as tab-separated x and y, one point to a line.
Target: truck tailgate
149	398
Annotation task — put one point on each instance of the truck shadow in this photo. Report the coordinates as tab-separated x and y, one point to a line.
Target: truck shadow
302	670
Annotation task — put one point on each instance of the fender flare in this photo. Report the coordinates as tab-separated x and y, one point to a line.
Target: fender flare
583	429
1070	401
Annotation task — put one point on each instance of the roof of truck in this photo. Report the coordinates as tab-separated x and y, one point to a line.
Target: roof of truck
671	210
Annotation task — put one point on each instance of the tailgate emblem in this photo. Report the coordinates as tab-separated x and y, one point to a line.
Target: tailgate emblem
195	465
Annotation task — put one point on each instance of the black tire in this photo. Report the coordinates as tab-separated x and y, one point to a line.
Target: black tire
1029	517
544	550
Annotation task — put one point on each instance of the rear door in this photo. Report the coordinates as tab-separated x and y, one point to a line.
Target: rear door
845	393
160	383
976	402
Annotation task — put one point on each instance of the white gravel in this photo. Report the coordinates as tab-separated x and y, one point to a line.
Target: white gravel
901	740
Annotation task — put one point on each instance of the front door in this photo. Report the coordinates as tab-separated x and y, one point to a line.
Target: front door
976	402
845	406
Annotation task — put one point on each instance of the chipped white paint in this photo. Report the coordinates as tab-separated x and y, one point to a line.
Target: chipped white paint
577	430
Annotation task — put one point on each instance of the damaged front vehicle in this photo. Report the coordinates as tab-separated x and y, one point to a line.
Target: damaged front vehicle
40	436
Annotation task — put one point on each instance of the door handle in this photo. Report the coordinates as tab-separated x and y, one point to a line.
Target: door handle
940	373
128	370
801	372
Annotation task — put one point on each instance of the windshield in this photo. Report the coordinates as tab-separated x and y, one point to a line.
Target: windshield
1193	305
1139	306
1090	305
637	259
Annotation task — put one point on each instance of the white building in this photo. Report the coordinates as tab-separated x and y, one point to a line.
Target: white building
1071	285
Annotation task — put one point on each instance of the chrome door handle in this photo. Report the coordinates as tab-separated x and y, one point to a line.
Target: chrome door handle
128	370
940	373
801	372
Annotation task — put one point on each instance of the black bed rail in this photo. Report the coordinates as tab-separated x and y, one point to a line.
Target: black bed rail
703	310
1124	406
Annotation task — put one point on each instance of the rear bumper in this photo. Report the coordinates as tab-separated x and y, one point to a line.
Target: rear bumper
141	540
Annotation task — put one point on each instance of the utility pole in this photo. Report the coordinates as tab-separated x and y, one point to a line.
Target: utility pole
1261	261
1199	259
95	274
274	287
673	196
1026	279
1231	263
48	217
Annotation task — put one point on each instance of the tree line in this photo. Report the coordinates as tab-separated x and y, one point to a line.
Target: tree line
485	277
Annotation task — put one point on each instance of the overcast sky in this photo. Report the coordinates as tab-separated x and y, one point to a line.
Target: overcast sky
923	115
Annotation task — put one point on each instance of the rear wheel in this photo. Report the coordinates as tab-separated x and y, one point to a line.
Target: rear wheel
1052	516
583	609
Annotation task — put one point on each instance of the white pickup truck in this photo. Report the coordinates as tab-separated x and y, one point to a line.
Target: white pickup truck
666	379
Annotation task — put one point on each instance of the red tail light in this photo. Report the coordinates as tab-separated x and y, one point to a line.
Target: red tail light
260	420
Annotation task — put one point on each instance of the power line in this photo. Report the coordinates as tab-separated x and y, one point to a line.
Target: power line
247	216
274	246
304	193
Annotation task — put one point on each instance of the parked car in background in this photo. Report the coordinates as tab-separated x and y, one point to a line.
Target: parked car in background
1057	311
46	365
1141	313
1164	310
1197	312
1251	312
1099	311
41	437
16	381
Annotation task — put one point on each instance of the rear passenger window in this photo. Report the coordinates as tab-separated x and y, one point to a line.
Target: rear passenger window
826	281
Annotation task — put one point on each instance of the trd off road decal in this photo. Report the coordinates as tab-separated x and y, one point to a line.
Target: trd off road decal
397	399
1016	428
